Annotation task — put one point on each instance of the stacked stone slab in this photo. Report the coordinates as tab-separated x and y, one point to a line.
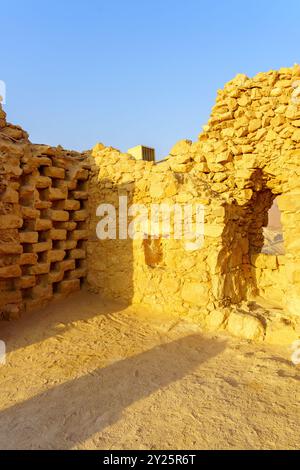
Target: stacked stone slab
43	234
13	144
53	200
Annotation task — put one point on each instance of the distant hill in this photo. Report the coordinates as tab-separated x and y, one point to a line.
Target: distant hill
274	217
273	233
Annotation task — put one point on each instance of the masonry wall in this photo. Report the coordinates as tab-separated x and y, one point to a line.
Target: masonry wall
157	269
43	214
246	155
270	275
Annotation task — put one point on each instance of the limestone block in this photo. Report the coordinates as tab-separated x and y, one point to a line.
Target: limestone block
195	293
28	258
29	213
213	231
69	226
38	204
215	320
80	216
67	244
80	195
156	190
29	237
78	273
66	265
40	268
264	261
182	147
69	205
254	125
54	172
58	234
71	185
10	196
55	276
77	254
58	215
68	286
42	292
245	326
41	182
42	224
10	249
293	112
55	255
289	202
10	297
13	270
170	285
55	194
42	246
10	221
26	282
81	174
79	235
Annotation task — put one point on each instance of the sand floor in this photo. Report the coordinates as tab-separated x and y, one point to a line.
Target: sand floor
85	373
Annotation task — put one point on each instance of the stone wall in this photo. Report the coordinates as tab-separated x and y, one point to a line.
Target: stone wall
270	274
154	270
247	155
43	213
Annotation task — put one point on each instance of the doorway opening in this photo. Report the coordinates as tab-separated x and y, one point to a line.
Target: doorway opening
273	232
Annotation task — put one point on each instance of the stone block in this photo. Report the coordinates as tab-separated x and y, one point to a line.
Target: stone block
10	221
58	234
29	237
195	293
79	235
11	271
80	216
40	268
42	246
56	194
55	172
66	265
77	273
69	205
55	255
29	213
55	276
80	195
245	326
59	215
68	286
42	224
77	254
10	249
28	258
26	282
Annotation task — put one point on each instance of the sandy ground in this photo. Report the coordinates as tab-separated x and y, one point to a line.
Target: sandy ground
87	374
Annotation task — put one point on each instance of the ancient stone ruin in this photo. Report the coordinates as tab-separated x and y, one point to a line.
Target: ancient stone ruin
247	155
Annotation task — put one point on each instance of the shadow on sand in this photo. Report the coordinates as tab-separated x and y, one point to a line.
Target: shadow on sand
69	414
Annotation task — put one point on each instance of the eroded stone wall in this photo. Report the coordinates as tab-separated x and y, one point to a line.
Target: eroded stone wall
247	155
43	203
270	274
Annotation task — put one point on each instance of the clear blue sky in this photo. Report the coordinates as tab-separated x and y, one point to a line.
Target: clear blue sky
125	72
